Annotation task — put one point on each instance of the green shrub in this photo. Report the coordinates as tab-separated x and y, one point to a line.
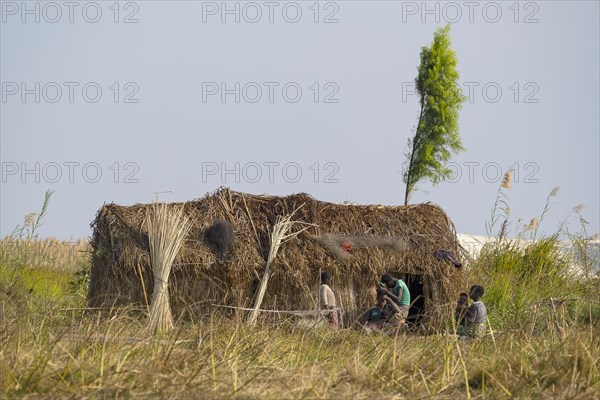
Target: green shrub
518	275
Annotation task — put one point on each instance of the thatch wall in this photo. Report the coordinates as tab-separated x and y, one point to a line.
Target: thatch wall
397	239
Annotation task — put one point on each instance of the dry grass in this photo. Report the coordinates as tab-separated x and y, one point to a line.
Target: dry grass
52	349
47	253
61	354
542	348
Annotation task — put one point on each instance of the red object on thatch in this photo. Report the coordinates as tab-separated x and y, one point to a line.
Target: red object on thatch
347	246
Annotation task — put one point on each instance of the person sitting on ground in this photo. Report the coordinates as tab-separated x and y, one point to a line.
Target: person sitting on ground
399	294
384	316
473	320
327	300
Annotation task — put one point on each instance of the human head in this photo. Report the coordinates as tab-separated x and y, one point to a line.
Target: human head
381	300
476	292
325	277
388	281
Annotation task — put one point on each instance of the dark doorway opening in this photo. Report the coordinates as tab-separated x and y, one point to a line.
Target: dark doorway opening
417	298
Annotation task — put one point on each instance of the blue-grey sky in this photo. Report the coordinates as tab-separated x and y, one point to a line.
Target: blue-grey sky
111	102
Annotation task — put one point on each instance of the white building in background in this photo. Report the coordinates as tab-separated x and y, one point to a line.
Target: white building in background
474	243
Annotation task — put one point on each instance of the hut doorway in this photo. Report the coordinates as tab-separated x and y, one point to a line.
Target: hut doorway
415	287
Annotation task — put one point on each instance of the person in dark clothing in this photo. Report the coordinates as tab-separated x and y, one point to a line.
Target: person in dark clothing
385	316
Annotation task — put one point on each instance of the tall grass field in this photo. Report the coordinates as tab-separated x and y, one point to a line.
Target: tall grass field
543	339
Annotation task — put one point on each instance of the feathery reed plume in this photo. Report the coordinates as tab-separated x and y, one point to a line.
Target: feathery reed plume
554	192
506	179
532	226
167	229
501	204
578	209
30	220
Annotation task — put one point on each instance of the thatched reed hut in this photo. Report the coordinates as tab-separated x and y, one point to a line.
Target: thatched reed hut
357	243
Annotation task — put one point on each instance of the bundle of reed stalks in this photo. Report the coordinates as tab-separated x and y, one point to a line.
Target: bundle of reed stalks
167	229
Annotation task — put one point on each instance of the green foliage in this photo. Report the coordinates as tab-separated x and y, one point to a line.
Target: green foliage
80	284
532	282
517	276
40	270
38	285
437	135
501	210
585	248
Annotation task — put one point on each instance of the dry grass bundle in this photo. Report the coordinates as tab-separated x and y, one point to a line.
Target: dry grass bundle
396	239
167	229
279	234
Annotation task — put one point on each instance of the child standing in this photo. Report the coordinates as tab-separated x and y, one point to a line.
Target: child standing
327	300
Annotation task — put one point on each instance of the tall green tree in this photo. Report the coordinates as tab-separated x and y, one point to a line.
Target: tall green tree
436	136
